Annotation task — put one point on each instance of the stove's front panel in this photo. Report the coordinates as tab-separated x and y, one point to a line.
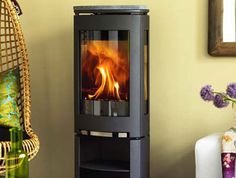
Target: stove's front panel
111	74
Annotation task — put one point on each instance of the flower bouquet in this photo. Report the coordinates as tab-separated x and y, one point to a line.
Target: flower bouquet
221	100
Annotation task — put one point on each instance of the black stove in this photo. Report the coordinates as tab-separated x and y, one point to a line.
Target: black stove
111	74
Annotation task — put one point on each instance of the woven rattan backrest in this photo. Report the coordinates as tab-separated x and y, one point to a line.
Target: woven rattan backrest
13	54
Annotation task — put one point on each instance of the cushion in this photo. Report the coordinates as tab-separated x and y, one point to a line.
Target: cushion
9	90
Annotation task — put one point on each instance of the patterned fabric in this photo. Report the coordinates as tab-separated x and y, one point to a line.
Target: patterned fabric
228	155
9	88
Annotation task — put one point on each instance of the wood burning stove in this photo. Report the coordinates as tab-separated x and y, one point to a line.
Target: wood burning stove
111	45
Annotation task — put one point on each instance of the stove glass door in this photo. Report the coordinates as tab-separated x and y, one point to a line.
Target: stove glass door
105	73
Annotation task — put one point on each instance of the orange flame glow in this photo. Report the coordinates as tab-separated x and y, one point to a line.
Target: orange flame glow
107	67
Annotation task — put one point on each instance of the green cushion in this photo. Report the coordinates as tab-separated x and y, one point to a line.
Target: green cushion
9	89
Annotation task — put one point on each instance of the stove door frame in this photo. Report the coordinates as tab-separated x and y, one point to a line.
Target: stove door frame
137	123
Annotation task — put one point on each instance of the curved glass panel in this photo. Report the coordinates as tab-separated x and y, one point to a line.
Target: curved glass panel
105	72
146	74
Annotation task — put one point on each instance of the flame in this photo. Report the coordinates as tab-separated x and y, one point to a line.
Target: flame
107	68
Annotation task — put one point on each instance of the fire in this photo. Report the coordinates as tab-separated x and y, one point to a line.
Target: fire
107	69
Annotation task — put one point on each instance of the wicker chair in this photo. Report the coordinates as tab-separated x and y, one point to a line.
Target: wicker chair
13	53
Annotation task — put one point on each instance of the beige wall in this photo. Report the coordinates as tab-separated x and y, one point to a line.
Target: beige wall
180	65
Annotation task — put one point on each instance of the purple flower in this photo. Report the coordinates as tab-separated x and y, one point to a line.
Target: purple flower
231	90
207	93
219	101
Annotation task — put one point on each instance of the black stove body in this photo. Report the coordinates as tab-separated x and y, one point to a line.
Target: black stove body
111	59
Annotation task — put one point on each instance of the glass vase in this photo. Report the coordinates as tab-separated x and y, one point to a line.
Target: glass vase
17	165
